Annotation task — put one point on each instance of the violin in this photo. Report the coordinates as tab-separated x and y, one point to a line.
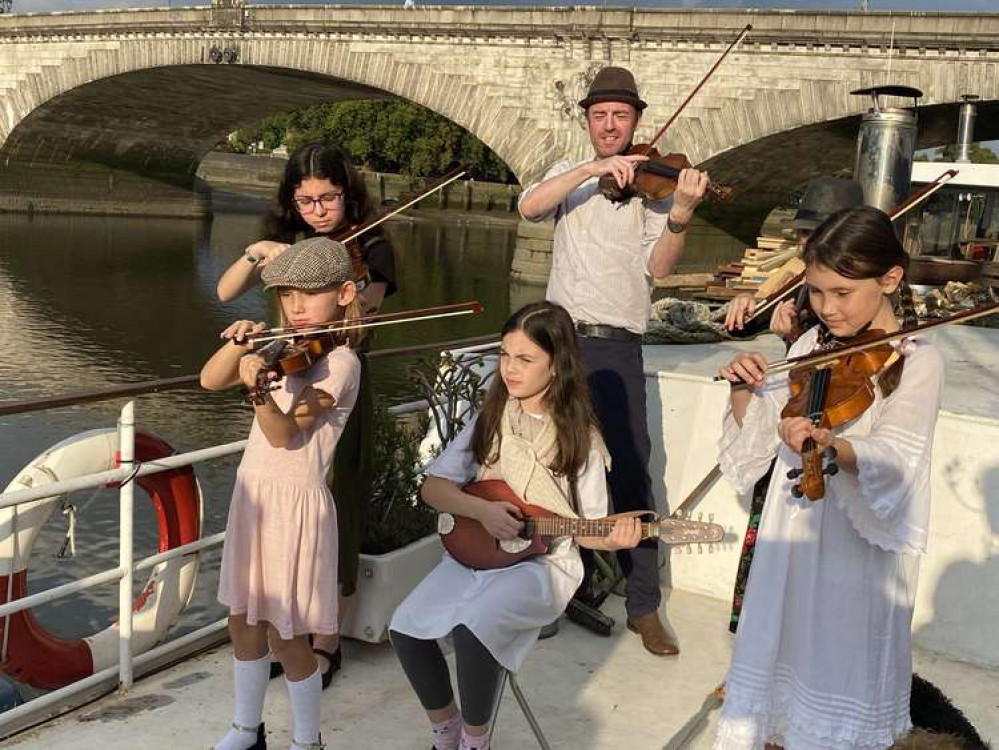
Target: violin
656	178
830	395
283	357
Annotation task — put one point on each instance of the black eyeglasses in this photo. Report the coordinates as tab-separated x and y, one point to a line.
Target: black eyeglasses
307	204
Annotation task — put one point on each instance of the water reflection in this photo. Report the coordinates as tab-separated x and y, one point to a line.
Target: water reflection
90	301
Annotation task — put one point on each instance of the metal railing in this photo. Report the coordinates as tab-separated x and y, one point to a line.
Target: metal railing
123	674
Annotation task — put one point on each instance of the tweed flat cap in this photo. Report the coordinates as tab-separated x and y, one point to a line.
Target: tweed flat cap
314	263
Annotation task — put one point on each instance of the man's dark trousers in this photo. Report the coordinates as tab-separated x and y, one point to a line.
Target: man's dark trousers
617	385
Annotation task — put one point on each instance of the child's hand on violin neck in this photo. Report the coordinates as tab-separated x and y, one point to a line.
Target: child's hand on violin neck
238	331
784	319
621	167
249	367
626	534
266	250
501	519
747	367
794	431
741	307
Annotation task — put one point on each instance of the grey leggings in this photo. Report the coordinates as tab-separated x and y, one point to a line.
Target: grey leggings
478	673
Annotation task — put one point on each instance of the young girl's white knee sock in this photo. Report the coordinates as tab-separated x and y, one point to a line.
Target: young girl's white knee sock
250	679
304	697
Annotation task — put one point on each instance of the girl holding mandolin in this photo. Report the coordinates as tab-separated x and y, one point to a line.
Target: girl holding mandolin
536	432
823	652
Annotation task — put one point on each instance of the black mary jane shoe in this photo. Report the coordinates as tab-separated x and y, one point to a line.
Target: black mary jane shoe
335	660
261	743
276	669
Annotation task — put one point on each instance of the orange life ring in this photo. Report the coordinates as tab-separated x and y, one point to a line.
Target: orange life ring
35	656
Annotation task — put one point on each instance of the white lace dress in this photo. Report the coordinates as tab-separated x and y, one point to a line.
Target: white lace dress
823	657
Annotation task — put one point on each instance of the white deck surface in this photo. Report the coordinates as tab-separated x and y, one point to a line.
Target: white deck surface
588	692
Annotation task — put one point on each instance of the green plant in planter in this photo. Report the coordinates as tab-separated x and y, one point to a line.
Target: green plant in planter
396	515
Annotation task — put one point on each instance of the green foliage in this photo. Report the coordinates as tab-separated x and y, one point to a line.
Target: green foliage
976	152
396	515
382	135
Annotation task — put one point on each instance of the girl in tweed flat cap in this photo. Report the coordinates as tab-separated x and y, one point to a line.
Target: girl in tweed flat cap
320	195
279	562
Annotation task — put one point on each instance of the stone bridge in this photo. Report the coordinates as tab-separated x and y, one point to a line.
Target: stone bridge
113	110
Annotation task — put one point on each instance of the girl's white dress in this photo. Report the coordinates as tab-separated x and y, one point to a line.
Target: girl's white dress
822	658
279	562
504	608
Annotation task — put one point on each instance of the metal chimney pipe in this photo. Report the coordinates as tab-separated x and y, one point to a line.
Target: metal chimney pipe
966	128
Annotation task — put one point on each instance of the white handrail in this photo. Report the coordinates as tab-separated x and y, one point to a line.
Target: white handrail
114	476
44	706
126	557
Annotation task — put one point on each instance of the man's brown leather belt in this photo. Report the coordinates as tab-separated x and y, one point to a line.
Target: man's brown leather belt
596	331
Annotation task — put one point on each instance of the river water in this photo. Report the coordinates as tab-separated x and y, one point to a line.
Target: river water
88	302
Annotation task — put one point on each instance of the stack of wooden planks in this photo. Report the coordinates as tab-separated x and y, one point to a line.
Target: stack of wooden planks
762	270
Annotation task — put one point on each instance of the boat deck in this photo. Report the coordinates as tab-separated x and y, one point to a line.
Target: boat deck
588	692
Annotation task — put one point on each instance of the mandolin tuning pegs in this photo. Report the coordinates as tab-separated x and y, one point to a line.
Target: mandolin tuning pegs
831	469
794	473
830	453
700	548
711	517
796	491
711	548
690	550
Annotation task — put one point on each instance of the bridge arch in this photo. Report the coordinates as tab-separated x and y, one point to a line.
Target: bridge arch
510	76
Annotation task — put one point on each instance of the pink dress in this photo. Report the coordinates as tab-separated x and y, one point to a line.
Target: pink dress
279	562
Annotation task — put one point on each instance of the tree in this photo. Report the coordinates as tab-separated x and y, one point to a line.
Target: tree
976	152
384	135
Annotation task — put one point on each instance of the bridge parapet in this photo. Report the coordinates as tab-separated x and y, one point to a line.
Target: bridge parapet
150	91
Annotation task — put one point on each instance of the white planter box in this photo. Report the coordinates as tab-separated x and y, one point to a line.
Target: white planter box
383	581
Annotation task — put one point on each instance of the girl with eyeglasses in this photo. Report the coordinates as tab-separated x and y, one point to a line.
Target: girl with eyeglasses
320	194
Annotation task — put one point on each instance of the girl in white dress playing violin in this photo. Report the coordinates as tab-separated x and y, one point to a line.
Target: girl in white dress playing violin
535	431
823	651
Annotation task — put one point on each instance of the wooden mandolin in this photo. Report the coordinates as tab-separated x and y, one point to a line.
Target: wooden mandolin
469	543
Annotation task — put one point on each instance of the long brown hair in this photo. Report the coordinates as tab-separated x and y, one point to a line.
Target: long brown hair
567	400
860	243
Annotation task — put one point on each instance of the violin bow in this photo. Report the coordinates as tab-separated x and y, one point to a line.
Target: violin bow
704	80
408	200
371	321
822	357
898	212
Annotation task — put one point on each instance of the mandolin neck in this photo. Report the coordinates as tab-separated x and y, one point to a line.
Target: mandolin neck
557	526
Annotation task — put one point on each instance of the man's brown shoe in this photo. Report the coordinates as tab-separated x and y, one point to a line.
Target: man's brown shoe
656	639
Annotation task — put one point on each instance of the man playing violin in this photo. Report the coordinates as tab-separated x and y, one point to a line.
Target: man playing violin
605	258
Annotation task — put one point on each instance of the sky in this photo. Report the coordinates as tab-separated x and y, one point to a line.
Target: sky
26	6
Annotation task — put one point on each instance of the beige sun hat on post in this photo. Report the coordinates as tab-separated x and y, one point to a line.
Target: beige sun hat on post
315	263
